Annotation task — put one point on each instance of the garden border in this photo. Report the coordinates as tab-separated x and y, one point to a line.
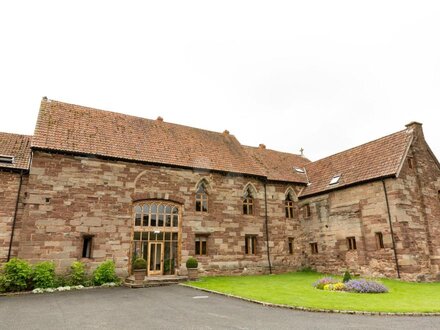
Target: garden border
308	309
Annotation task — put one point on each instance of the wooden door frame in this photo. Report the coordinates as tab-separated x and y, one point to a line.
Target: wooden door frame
160	272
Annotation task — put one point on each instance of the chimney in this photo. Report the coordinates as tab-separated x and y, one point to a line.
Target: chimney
45	98
262	146
414	125
226	132
159	118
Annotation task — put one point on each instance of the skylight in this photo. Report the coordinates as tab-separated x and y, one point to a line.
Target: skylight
335	179
6	159
299	170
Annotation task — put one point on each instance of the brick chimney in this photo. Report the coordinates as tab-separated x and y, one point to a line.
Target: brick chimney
262	146
159	118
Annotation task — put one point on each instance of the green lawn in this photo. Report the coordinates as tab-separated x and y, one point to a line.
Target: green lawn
295	289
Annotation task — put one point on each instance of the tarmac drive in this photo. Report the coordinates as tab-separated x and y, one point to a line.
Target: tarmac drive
175	307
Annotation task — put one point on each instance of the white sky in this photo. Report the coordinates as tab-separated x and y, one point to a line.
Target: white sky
322	75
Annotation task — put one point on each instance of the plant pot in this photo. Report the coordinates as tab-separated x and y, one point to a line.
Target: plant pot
193	274
139	274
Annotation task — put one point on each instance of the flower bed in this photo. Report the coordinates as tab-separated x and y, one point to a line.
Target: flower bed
356	286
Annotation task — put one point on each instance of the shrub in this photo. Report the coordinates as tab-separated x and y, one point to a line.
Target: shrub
44	275
364	286
192	263
77	273
140	263
307	269
347	277
319	284
17	275
105	273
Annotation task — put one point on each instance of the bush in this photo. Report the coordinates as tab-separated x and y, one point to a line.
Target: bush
347	277
17	275
319	284
192	263
140	263
44	275
77	273
307	269
105	273
364	286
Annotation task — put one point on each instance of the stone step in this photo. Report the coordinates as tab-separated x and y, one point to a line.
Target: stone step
154	281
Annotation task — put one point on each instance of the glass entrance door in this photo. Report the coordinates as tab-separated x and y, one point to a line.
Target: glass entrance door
155	258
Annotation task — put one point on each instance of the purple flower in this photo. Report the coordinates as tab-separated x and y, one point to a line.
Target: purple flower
364	286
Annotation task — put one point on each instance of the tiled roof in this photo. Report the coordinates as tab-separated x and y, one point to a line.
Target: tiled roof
72	128
17	146
376	159
280	166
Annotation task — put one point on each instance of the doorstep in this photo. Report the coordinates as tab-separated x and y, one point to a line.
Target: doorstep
154	281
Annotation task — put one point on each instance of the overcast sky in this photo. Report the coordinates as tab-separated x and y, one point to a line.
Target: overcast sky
322	75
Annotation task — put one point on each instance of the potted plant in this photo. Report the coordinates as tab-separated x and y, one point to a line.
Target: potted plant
139	269
191	266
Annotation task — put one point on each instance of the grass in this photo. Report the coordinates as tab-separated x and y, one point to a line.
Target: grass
295	289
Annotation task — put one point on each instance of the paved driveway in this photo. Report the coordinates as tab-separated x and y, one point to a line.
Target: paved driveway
175	307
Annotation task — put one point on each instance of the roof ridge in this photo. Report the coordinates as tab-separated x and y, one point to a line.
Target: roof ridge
268	149
80	107
17	134
358	146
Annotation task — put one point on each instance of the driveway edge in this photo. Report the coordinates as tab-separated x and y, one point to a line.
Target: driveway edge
308	309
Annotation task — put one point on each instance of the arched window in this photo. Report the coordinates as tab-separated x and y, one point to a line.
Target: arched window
201	198
156	215
288	203
248	202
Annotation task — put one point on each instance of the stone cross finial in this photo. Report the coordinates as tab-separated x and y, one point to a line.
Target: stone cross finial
302	151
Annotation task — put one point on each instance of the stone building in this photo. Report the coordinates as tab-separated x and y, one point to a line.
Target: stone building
93	185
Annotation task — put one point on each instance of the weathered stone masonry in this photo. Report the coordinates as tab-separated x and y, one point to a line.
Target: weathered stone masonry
386	201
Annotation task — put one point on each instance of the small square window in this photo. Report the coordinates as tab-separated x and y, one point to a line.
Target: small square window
379	240
351	243
314	248
201	245
87	246
250	244
306	210
290	244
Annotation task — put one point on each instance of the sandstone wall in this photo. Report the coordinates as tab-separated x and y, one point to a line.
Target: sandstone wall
359	212
9	185
415	211
69	196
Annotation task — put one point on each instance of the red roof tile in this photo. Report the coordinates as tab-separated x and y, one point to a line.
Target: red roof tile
373	160
72	128
17	146
280	166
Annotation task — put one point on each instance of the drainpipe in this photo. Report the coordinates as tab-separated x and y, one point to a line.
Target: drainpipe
15	216
267	228
391	229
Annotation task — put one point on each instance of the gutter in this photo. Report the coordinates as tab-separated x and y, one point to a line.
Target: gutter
391	229
267	228
15	216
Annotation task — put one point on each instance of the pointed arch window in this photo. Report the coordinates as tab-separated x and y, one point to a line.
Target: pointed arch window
248	202
288	203
201	198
